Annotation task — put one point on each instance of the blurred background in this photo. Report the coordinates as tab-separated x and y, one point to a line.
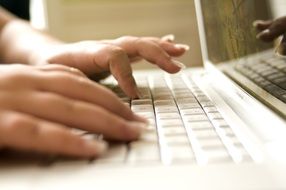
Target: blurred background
74	20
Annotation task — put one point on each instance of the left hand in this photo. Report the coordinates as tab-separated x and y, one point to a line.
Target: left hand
98	58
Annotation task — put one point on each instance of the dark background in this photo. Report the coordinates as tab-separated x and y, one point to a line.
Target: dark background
17	7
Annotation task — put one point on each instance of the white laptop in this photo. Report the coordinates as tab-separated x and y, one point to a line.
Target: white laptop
221	127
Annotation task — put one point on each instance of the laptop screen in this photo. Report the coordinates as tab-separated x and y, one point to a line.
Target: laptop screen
229	30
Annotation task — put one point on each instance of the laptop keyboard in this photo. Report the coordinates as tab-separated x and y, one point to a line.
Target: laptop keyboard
269	73
185	126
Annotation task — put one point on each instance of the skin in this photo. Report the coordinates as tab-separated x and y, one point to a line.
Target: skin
269	30
49	93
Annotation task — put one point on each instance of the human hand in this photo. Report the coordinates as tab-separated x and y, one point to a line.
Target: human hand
271	29
40	105
95	58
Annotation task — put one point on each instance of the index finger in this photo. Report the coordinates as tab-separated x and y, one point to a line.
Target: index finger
86	90
151	51
262	24
121	69
277	28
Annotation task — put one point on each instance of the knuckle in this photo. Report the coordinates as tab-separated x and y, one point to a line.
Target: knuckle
76	71
63	78
117	52
17	123
62	68
53	100
16	78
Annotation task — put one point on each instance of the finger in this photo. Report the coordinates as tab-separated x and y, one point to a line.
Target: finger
262	24
175	50
85	90
171	48
120	68
76	114
135	59
277	28
151	51
23	132
56	67
154	53
270	34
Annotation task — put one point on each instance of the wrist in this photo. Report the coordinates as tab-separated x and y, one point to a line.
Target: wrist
23	44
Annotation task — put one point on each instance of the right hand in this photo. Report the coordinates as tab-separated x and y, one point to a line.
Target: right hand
40	105
269	30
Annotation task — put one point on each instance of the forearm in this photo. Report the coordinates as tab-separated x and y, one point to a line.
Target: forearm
19	42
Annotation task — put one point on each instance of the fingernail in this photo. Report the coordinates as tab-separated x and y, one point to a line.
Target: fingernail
267	31
178	63
141	119
256	22
182	46
138	126
169	37
95	147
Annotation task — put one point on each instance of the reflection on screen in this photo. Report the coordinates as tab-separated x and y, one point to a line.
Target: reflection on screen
229	30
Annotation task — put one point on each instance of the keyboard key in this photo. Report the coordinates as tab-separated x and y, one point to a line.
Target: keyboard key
181	152
176	140
205	134
280	82
275	76
116	154
211	143
217	155
174	131
210	109
164	102
186	100
220	123
143	152
207	104
193	111
199	125
215	115
166	109
227	131
142	102
162	116
141	108
188	106
275	90
192	118
170	122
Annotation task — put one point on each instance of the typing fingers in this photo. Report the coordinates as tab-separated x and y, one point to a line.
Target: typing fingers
23	132
150	50
262	24
87	91
272	30
56	67
74	113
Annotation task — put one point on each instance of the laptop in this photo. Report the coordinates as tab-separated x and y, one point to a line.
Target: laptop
218	127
